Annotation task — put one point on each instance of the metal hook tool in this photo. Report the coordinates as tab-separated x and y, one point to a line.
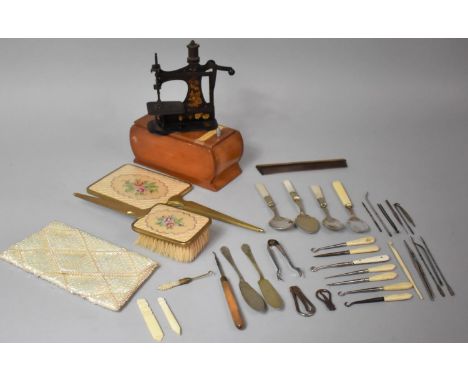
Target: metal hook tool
435	279
299	295
403	217
275	243
376	214
325	296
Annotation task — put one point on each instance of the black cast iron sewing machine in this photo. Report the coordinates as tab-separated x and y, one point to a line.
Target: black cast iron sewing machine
194	113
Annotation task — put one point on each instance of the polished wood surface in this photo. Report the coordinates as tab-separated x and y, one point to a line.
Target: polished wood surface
210	164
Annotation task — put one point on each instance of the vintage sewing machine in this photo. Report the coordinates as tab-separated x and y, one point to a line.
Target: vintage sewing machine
184	138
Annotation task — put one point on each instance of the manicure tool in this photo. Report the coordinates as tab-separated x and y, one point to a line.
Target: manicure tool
372	217
392	287
405	213
379	268
398	209
230	297
366	260
169	315
299	295
150	320
377	215
275	168
420	271
354	251
405	269
390	298
428	268
379	277
361	241
324	295
387	216
250	295
268	291
277	222
354	223
434	270
183	281
329	222
303	221
395	214
449	288
274	243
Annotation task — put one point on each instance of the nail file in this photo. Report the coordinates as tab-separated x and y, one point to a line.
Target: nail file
150	320
169	315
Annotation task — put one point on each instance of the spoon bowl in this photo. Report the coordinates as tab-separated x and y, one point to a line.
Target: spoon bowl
333	224
357	225
280	223
307	223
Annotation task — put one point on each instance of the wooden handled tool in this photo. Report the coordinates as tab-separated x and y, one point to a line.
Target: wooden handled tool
354	251
230	298
390	298
392	287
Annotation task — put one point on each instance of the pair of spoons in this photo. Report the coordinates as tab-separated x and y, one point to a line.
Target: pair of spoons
303	221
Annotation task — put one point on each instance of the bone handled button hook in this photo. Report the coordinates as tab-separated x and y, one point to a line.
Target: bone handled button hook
303	221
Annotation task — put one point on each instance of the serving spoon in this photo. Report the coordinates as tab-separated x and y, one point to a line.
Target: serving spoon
303	221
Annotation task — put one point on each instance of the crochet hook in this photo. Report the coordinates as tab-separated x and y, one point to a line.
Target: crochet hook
390	298
379	268
351	243
392	287
354	251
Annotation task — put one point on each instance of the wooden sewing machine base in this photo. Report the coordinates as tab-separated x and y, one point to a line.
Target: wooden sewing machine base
209	164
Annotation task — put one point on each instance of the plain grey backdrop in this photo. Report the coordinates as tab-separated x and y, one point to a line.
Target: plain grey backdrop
397	110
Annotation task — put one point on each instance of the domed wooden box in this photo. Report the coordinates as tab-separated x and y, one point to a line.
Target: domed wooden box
210	163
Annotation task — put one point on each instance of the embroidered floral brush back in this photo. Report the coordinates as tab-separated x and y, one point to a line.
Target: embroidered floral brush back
138	187
173	223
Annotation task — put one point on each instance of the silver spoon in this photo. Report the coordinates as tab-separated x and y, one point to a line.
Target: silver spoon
277	222
330	222
303	221
354	223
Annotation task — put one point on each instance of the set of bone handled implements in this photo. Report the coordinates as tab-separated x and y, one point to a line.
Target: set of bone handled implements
187	146
377	270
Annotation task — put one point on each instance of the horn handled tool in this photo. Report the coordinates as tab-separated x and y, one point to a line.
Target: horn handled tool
392	287
390	298
379	268
380	277
354	251
230	297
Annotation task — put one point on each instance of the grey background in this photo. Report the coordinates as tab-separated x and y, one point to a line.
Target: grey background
396	109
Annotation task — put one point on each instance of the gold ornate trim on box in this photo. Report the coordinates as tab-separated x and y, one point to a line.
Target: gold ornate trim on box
99	271
171	224
138	187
